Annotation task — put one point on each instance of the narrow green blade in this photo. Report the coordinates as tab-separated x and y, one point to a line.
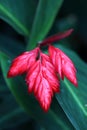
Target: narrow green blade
44	18
18	14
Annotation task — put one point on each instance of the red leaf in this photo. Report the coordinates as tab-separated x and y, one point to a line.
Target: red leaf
44	94
49	73
22	63
32	76
43	81
63	65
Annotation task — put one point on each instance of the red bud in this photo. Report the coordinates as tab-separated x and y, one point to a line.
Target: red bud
42	70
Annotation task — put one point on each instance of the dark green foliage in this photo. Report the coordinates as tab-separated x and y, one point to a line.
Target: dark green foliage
32	20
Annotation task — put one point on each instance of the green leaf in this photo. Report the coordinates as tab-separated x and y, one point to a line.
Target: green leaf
54	119
74	100
19	14
44	18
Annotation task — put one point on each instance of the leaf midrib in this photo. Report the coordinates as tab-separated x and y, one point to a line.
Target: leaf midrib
14	19
75	98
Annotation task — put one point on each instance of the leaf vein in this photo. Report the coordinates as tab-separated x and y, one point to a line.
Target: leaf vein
75	97
14	19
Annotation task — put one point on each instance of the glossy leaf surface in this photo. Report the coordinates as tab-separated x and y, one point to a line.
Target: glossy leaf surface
18	14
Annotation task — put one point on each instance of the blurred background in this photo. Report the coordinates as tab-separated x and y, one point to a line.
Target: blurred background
73	14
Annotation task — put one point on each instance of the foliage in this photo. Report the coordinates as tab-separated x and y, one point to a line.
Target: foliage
33	19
